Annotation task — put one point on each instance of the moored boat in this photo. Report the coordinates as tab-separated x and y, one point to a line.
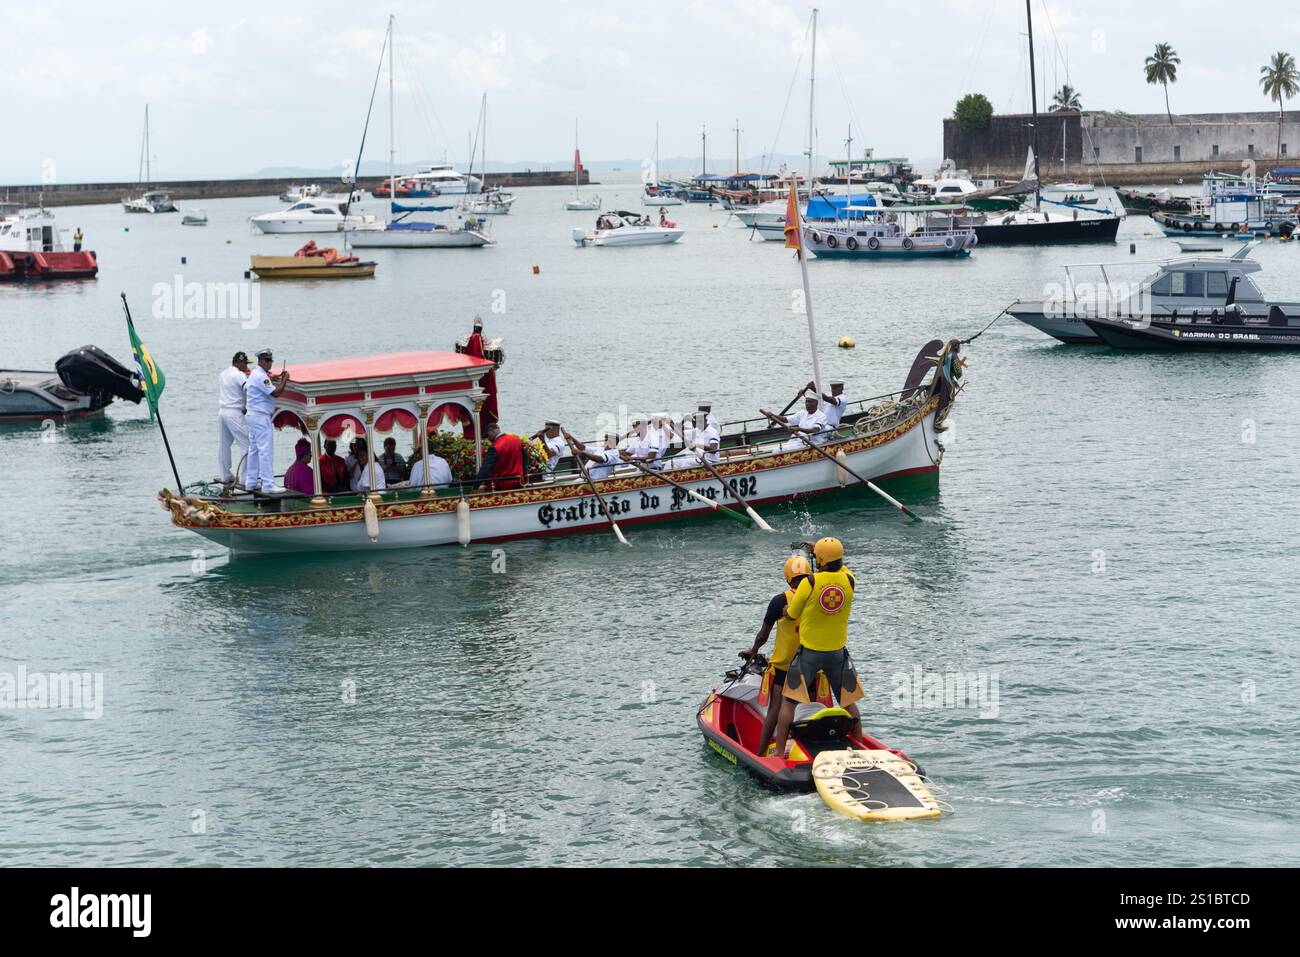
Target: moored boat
83	383
622	228
311	262
893	233
32	247
1189	289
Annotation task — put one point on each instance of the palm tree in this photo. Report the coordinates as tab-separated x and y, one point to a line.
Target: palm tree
1066	98
1162	68
1280	80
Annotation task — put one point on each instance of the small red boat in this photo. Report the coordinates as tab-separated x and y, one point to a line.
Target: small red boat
51	265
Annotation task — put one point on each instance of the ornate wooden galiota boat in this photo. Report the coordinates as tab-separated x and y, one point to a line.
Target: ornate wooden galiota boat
884	438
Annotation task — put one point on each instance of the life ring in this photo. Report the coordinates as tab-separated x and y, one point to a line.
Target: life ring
950	243
851	242
907	242
832	241
1187	227
1218	227
817	237
873	243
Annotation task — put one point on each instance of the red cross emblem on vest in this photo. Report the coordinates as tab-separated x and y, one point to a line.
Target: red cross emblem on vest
831	599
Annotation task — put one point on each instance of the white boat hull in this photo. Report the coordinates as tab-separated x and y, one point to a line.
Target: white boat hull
583	205
629	236
553	509
660	201
417	239
309	224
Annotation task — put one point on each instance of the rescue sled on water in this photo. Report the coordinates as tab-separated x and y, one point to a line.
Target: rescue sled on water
858	777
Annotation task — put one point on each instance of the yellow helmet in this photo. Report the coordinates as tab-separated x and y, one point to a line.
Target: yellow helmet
795	566
828	550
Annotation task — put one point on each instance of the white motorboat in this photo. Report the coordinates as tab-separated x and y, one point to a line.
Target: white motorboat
194	217
580	203
443	180
622	228
307	216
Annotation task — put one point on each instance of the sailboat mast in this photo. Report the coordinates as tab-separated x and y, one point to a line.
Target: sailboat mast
575	157
704	151
812	104
737	147
392	137
848	172
148	167
1033	99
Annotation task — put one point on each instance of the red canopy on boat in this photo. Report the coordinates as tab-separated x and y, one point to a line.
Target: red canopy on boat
381	366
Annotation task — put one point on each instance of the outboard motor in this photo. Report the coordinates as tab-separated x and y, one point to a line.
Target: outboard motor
1276	317
90	370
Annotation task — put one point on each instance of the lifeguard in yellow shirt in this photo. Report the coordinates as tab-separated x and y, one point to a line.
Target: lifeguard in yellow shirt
787	643
821	605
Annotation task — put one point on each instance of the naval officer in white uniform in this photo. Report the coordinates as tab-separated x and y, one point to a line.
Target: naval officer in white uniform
833	405
230	416
259	399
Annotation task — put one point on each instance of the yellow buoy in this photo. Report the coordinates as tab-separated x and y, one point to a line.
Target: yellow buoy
846	342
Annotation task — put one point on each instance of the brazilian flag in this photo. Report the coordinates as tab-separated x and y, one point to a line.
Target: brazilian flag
151	376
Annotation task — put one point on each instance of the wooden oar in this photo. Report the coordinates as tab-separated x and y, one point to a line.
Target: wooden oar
716	506
618	532
790	405
844	465
757	519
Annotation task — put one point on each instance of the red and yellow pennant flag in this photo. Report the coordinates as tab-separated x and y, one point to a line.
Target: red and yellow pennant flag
792	238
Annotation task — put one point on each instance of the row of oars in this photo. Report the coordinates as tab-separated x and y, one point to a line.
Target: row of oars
753	518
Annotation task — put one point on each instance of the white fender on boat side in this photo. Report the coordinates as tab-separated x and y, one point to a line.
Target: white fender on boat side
462	522
372	520
841	475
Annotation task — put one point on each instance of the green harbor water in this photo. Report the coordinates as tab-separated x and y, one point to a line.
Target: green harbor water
1111	546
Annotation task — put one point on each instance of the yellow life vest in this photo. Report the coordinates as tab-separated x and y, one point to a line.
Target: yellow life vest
821	606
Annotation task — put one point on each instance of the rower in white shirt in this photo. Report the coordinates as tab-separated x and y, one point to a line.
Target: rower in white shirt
601	461
660	436
231	426
811	422
556	448
707	408
640	446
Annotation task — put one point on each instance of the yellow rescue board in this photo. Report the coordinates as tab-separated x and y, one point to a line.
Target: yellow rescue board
872	786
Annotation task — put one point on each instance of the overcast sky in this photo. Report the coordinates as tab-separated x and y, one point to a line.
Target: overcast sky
237	86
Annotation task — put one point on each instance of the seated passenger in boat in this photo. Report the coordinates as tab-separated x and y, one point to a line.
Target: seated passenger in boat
333	470
392	462
503	466
359	470
431	469
299	477
602	460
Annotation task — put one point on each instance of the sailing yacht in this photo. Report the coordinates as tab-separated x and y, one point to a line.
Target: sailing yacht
151	200
657	193
578	204
486	202
400	231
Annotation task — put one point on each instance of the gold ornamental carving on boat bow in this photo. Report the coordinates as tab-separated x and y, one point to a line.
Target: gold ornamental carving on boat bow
192	512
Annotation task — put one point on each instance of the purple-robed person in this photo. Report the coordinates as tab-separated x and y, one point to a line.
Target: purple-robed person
300	477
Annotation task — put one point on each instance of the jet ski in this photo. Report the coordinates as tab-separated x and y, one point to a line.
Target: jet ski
859	777
83	382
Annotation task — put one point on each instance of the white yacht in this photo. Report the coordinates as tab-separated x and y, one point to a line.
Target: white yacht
443	180
307	216
295	193
622	228
492	202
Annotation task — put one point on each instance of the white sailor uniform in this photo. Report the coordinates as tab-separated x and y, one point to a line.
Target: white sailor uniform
231	426
260	470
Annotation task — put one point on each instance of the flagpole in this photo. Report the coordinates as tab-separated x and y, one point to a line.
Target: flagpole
807	289
153	407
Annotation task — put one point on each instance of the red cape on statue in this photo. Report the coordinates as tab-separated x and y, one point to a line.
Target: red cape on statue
474	347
